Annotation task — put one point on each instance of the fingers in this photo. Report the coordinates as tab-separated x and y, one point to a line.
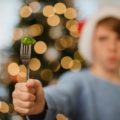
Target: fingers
23	111
21	87
24	96
33	84
23	104
28	97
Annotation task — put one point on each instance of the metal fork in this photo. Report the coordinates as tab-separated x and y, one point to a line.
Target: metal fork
25	55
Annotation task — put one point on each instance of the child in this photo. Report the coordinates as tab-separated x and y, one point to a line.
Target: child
91	94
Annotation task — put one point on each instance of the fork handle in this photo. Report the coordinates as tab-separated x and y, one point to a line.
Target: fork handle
28	73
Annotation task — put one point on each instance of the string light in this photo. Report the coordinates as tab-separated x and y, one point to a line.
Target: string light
52	54
34	64
13	69
60	8
53	20
75	34
61	117
56	32
18	34
46	74
54	66
35	30
40	47
70	13
76	65
66	62
21	77
23	68
25	11
61	44
35	6
4	107
70	23
48	11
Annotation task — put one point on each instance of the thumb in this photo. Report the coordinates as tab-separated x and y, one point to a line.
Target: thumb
32	83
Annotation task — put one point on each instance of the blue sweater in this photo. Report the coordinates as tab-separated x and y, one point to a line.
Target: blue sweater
82	96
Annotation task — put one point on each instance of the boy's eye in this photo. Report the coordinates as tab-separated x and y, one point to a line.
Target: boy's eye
118	38
102	38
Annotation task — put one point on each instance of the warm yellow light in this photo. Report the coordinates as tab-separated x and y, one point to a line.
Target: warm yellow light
52	54
53	20
23	68
78	56
61	117
35	6
66	62
34	64
56	32
35	30
18	34
25	11
13	69
48	11
40	47
70	13
73	28
21	77
75	34
4	107
64	42
76	65
54	66
70	23
60	8
46	74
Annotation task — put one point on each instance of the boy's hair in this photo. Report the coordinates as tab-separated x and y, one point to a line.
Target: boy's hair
111	23
109	17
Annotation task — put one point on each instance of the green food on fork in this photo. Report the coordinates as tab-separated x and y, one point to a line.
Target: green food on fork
28	40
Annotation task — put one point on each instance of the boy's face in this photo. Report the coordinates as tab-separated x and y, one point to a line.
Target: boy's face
106	48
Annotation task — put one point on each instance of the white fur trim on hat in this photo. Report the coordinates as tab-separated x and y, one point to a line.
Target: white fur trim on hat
85	41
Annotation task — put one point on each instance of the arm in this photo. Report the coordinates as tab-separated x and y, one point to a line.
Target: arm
60	98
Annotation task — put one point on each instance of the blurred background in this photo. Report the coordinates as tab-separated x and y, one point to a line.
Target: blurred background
56	26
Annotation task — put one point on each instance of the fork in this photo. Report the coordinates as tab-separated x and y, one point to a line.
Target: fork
25	55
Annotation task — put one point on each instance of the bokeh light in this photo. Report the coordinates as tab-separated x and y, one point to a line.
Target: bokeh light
35	30
70	13
66	62
34	64
46	74
18	34
48	11
61	117
25	11
60	8
35	6
56	32
53	20
40	47
76	65
4	107
52	54
13	69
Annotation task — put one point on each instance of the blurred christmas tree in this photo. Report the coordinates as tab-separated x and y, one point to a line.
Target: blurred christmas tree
54	26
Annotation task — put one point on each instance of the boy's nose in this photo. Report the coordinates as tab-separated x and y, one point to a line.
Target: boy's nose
113	46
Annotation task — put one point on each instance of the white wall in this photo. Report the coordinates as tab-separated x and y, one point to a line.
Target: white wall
87	7
8	19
